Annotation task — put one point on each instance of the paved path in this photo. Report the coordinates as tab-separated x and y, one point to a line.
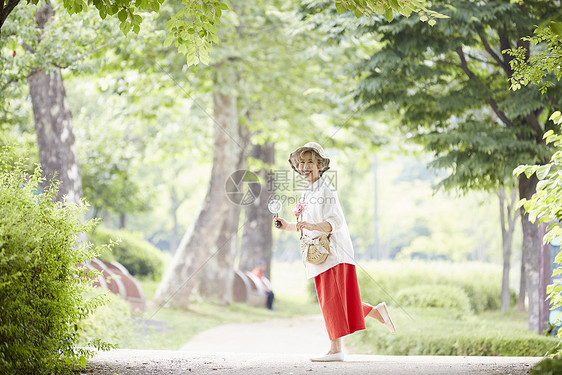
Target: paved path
306	335
145	362
283	346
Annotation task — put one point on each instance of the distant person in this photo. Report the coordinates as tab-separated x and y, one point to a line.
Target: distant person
259	270
328	253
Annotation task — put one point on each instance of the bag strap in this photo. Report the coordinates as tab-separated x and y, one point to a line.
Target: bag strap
328	236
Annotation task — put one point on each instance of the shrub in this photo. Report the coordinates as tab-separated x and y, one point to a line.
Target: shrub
111	322
41	288
480	281
138	256
445	296
438	331
548	366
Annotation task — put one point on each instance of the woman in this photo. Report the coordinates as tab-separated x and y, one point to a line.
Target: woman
335	278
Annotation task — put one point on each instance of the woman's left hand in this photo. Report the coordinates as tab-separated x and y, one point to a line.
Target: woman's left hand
306	225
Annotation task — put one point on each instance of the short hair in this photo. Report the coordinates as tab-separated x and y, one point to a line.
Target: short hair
323	164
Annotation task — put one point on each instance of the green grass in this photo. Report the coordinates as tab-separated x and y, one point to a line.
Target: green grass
435	331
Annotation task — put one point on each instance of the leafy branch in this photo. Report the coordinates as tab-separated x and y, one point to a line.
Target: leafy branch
535	69
388	8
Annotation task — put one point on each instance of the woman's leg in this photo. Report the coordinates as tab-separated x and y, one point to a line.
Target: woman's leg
380	313
369	310
335	346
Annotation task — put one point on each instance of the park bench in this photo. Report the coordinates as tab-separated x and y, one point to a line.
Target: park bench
118	280
249	289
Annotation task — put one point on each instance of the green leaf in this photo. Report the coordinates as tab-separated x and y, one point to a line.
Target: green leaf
406	12
191	59
557	271
520	169
394	5
339	7
389	15
169	40
122	15
549	132
543	170
171	23
530	170
204	56
211	28
432	22
126	27
541	184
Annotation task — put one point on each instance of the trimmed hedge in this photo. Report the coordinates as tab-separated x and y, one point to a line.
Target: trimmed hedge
469	345
434	296
138	256
480	281
437	331
548	366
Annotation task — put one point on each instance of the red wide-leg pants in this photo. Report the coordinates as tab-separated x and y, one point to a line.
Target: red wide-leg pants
340	301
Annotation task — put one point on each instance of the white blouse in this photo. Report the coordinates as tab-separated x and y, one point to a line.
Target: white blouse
322	204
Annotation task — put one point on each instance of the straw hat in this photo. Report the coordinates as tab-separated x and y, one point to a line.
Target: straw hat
310	146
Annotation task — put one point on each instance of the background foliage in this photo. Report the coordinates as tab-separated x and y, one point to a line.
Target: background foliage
138	256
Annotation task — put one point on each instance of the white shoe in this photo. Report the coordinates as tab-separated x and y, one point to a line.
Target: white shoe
388	323
336	357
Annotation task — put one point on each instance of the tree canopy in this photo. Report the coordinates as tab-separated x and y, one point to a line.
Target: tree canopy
449	87
193	27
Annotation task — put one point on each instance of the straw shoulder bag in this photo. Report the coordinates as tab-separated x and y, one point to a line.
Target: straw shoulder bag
315	250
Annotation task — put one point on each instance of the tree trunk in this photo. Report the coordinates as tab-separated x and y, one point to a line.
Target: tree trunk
216	281
202	242
217	278
508	227
504	306
544	279
522	283
122	220
532	246
53	124
257	238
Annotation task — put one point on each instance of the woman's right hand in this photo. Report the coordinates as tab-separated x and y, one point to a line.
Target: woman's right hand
283	222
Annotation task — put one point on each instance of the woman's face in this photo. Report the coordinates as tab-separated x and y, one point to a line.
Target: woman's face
308	167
